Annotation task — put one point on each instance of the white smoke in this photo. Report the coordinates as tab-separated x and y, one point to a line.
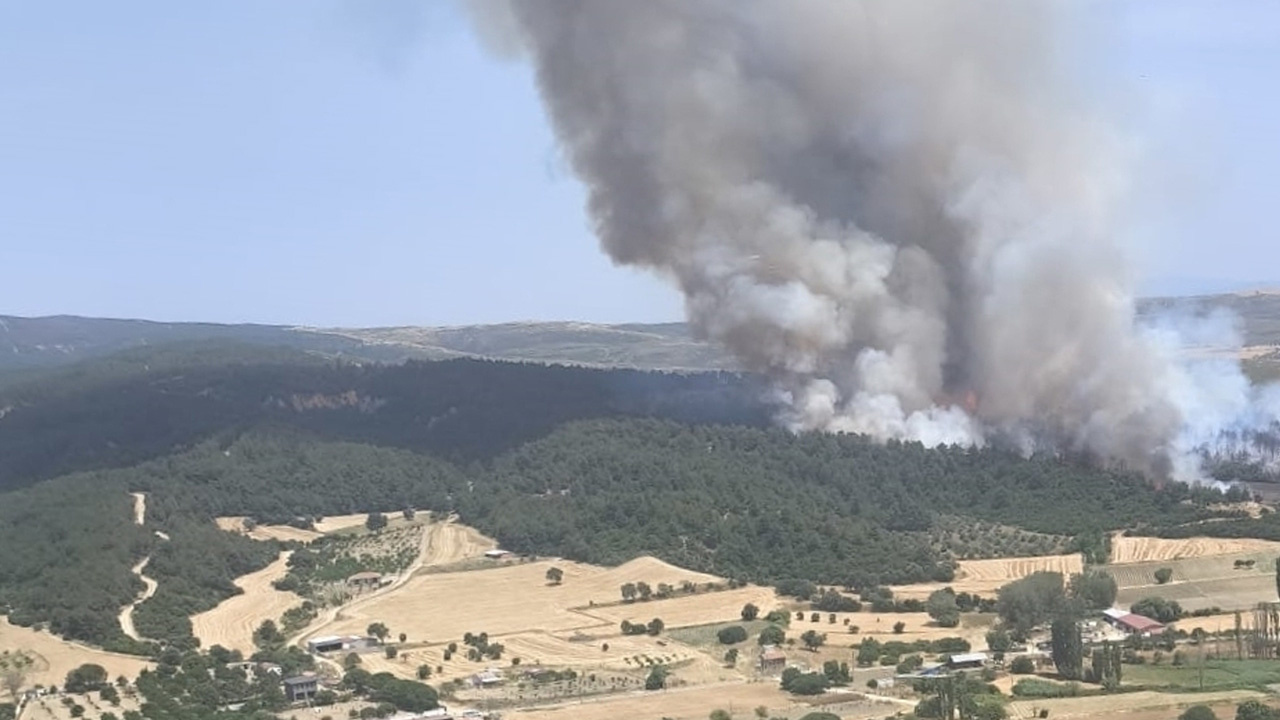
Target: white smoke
902	212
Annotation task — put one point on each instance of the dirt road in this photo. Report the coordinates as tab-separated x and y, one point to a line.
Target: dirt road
126	613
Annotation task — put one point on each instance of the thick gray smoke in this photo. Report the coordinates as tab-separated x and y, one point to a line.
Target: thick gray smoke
900	211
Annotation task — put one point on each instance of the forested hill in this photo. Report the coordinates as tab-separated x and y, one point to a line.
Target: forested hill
146	403
590	464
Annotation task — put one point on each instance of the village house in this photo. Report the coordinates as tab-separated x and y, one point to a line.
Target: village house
488	678
1132	623
772	660
301	687
967	661
365	580
337	643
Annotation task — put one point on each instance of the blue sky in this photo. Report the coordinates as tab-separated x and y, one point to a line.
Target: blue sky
338	162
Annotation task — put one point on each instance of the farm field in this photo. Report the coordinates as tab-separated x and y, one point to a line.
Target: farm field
283	533
56	657
1126	549
516	598
679	704
1218	674
1201	582
450	542
232	622
984	577
1107	705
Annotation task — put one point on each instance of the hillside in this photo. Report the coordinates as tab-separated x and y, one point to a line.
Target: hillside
27	343
590	464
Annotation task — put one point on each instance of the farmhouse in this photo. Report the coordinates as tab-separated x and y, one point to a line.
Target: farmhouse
337	643
772	660
365	580
301	687
967	661
488	678
1132	623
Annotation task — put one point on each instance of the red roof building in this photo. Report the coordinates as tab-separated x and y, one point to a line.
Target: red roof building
1133	623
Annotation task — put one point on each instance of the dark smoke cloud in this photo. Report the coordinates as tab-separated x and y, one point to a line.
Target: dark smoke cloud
902	212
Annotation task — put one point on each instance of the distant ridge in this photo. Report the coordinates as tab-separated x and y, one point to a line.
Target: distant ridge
32	343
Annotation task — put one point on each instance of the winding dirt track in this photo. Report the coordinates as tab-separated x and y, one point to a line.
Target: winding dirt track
126	613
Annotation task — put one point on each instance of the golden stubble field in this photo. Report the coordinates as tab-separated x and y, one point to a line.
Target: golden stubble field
441	607
56	657
232	622
1125	549
985	577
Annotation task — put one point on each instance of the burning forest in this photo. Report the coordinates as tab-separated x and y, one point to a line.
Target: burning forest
907	215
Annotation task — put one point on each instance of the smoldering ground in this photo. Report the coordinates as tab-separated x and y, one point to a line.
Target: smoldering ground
903	213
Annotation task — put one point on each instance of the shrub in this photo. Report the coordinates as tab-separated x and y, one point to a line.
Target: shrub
1022	665
1198	712
731	635
1163	575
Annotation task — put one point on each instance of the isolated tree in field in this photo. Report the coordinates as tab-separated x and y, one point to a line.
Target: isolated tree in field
731	635
408	513
998	640
1198	712
85	678
1094	589
268	636
644	591
350	661
751	612
1068	650
555	575
655	627
391	652
813	639
628	592
772	635
899	628
375	521
1163	575
1254	710
731	656
378	630
942	607
869	651
720	714
657	678
424	672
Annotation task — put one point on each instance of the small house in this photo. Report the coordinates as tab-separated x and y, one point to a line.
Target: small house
1132	623
302	687
496	554
772	660
488	678
967	661
365	580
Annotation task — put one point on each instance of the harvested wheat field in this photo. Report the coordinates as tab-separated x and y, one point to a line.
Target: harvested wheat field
450	542
679	703
232	622
685	610
284	533
984	577
1126	549
442	607
537	648
56	657
343	522
1100	705
517	598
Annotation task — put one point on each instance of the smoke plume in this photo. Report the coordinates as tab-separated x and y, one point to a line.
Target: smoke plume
901	212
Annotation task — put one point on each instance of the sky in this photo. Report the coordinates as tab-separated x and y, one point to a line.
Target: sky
366	162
